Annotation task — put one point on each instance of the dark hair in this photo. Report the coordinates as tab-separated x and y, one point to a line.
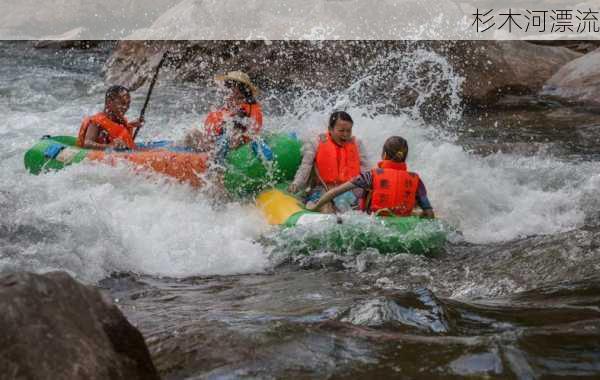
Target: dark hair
113	91
395	148
244	89
339	115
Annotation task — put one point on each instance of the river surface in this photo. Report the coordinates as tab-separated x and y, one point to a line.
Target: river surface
514	294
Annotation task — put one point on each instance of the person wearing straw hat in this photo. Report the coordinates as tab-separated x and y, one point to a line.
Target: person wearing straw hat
236	122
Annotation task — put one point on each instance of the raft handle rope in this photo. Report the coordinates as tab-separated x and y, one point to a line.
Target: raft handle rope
261	149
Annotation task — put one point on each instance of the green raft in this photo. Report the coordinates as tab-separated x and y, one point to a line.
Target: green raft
260	170
53	153
305	231
356	232
249	169
258	165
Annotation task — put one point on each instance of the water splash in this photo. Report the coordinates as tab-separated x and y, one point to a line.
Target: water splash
92	220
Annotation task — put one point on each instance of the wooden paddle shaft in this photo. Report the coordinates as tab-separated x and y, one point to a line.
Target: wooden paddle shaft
152	83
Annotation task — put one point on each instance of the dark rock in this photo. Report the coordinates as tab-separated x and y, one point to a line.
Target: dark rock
354	72
409	311
52	327
272	64
66	44
581	46
492	69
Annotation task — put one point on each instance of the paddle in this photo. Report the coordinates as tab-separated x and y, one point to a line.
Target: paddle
162	60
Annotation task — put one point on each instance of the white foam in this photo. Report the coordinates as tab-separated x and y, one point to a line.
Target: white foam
93	219
489	199
101	219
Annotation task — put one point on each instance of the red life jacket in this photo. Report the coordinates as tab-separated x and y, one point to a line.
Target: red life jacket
336	164
394	189
112	130
215	120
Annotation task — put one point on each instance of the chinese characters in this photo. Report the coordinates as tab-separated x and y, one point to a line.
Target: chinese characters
537	21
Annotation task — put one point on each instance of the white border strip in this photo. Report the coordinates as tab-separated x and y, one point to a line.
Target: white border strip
298	20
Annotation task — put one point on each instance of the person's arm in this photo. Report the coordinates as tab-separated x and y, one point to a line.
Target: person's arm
256	117
328	196
423	201
428	214
90	138
309	151
92	134
364	160
135	125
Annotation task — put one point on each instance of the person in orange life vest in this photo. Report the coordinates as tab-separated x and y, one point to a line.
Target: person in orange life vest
332	159
110	128
390	188
236	123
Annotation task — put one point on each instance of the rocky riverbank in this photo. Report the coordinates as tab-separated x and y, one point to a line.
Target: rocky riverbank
491	70
52	327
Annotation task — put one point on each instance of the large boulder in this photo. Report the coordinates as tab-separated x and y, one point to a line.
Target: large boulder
311	43
578	81
492	69
392	73
328	64
52	327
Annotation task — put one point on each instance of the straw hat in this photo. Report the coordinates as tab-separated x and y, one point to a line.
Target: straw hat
241	77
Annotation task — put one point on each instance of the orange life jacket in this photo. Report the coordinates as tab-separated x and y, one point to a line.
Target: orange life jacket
215	120
113	130
394	189
336	164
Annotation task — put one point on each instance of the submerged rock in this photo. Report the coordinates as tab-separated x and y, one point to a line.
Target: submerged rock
578	81
409	311
53	327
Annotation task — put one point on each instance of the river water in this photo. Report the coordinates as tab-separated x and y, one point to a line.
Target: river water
515	294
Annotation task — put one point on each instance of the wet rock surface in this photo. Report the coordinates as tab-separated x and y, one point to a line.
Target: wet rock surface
53	327
332	323
272	64
578	81
492	69
523	309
